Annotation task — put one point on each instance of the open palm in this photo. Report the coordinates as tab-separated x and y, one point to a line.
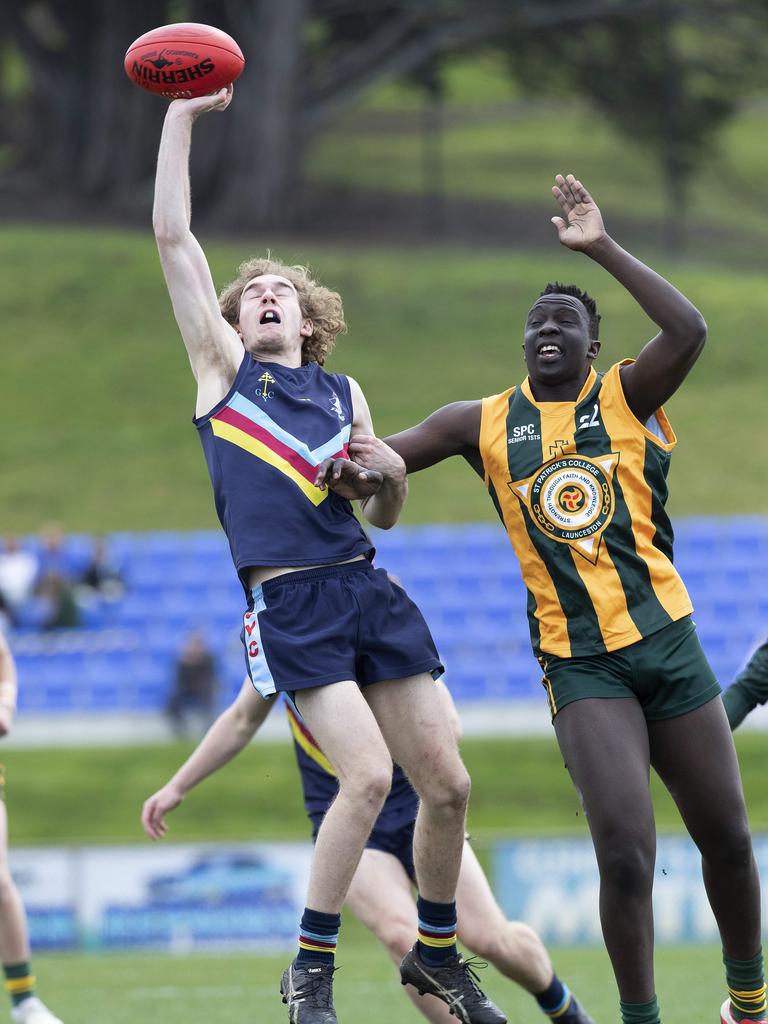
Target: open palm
581	223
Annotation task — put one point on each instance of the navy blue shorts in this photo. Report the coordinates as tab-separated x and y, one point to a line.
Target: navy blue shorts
398	842
320	626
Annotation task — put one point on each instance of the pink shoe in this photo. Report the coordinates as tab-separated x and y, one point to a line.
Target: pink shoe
726	1016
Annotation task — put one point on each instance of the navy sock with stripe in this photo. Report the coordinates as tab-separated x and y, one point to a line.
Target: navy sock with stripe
318	935
437	931
555	1000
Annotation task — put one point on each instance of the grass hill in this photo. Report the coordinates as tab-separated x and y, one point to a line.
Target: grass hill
96	394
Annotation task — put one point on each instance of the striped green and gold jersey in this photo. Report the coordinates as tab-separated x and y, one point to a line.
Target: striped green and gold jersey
580	487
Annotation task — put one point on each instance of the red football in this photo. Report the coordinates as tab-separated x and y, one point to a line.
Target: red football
185	60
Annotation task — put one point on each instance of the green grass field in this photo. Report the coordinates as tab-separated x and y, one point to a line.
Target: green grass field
520	787
94	795
117	989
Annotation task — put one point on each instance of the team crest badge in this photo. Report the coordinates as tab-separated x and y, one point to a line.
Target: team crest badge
571	500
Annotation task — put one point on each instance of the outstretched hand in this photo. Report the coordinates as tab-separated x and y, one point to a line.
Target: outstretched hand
202	104
348	479
581	224
155	809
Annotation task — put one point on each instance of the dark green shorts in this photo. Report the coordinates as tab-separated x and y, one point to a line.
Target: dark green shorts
667	672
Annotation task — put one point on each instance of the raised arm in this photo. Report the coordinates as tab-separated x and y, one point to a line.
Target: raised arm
383	508
452	430
232	730
663	364
214	347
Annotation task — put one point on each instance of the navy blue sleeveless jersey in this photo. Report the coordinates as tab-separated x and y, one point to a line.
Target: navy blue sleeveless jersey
320	786
263	443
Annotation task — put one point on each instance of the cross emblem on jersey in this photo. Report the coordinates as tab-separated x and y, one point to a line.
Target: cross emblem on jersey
557	448
266	379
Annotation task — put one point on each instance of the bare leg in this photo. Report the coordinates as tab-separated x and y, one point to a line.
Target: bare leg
14	944
695	758
341	722
514	949
382	899
605	747
414	722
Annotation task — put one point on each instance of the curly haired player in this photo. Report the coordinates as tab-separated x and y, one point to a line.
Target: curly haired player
321	623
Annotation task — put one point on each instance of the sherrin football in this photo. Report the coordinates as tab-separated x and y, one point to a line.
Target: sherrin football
184	60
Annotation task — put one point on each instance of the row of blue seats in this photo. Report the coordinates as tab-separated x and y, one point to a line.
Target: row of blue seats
463	577
719	535
457	575
462	568
140	681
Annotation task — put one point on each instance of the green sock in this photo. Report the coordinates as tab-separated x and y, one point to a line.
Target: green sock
640	1013
19	981
746	987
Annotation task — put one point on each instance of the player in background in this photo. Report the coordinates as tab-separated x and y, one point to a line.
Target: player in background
381	894
576	464
321	623
26	1007
749	688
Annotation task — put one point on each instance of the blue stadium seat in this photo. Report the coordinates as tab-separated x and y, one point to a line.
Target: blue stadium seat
465	579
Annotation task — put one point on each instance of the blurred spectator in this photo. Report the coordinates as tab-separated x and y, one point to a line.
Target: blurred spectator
58	607
101	577
18	570
6	618
54	556
195	686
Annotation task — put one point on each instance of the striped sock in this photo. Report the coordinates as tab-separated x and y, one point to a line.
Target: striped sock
318	935
437	931
746	987
555	1000
19	981
640	1013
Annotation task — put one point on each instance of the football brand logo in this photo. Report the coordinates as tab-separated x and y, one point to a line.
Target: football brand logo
571	500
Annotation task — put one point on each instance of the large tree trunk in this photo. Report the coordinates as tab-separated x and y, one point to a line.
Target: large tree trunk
673	162
261	154
90	137
93	133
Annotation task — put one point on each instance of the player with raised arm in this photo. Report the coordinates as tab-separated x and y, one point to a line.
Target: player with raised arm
26	1007
576	463
381	895
321	623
